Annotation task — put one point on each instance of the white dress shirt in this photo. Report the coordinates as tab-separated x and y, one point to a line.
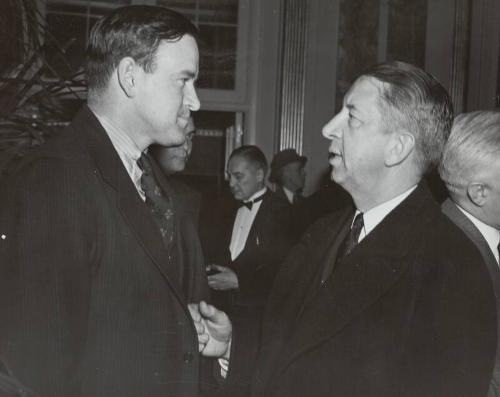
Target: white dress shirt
490	234
127	150
242	225
374	216
289	194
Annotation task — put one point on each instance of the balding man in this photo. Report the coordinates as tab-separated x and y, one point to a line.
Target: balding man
470	168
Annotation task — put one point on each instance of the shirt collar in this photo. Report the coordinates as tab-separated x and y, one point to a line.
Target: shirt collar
126	148
490	234
375	215
289	194
256	194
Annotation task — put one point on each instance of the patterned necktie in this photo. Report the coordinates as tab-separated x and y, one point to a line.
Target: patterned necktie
157	202
351	240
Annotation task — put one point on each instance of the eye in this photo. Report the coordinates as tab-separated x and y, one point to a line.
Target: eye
353	121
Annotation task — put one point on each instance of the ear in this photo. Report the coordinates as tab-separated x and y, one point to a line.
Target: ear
260	175
477	193
400	146
126	71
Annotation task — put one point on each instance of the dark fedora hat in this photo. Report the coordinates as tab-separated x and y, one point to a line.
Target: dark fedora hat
283	158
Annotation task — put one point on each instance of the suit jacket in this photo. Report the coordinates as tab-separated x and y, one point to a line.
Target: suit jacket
88	307
268	242
464	223
190	198
407	313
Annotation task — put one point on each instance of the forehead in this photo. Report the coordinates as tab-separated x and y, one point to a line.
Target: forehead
240	164
179	56
364	94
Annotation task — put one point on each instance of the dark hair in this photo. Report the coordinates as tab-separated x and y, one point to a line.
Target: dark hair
133	31
414	100
253	154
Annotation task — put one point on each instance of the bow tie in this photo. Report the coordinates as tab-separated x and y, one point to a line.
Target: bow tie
249	204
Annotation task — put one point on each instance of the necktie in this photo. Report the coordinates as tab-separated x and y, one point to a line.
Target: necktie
157	202
249	204
297	198
351	240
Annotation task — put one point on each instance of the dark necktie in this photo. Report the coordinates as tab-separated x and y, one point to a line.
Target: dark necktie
249	204
351	240
157	202
297	198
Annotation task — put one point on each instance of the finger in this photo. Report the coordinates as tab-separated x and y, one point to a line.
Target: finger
211	312
194	311
219	268
200	328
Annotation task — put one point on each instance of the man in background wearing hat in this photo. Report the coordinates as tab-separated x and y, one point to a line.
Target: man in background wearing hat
289	175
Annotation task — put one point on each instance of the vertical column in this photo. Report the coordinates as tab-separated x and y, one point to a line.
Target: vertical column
460	55
294	74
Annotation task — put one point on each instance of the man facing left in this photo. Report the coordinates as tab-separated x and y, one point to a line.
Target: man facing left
98	259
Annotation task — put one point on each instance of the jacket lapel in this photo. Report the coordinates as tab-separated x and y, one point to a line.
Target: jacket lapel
109	166
361	278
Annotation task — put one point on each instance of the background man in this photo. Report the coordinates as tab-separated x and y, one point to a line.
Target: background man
254	242
289	175
173	159
470	168
387	300
99	260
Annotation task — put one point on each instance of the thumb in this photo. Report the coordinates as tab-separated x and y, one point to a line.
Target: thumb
218	267
211	312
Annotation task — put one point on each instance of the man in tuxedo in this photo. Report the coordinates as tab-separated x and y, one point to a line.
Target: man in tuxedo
387	300
470	168
254	242
98	258
173	159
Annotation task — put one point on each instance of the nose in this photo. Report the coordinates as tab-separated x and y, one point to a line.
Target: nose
191	99
334	126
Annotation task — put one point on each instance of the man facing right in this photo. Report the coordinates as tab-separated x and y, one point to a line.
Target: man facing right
388	300
470	169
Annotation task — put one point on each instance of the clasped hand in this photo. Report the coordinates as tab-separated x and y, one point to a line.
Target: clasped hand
223	280
214	329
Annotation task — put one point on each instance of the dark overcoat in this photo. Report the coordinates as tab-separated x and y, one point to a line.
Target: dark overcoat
410	312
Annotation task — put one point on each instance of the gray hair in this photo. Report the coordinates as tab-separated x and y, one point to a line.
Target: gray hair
474	143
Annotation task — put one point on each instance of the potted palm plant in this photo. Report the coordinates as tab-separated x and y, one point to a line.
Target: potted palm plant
33	94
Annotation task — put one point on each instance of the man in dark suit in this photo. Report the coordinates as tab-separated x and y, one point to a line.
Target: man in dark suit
254	242
173	159
470	168
289	175
387	300
98	258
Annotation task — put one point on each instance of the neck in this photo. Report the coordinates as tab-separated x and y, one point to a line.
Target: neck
121	118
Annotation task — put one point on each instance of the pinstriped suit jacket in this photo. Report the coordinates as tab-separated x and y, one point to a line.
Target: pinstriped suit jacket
88	307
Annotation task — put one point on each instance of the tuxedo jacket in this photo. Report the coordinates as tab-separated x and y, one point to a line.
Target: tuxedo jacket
407	313
465	224
88	305
268	242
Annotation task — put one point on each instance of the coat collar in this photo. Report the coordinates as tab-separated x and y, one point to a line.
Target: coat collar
109	166
458	217
362	277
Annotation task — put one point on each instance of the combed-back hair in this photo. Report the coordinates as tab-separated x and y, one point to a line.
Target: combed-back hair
413	100
472	148
253	154
133	31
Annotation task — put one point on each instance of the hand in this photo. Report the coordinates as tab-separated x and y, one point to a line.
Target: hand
214	329
224	280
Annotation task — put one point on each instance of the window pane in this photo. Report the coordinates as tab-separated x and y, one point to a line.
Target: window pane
217	57
407	24
376	31
357	41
